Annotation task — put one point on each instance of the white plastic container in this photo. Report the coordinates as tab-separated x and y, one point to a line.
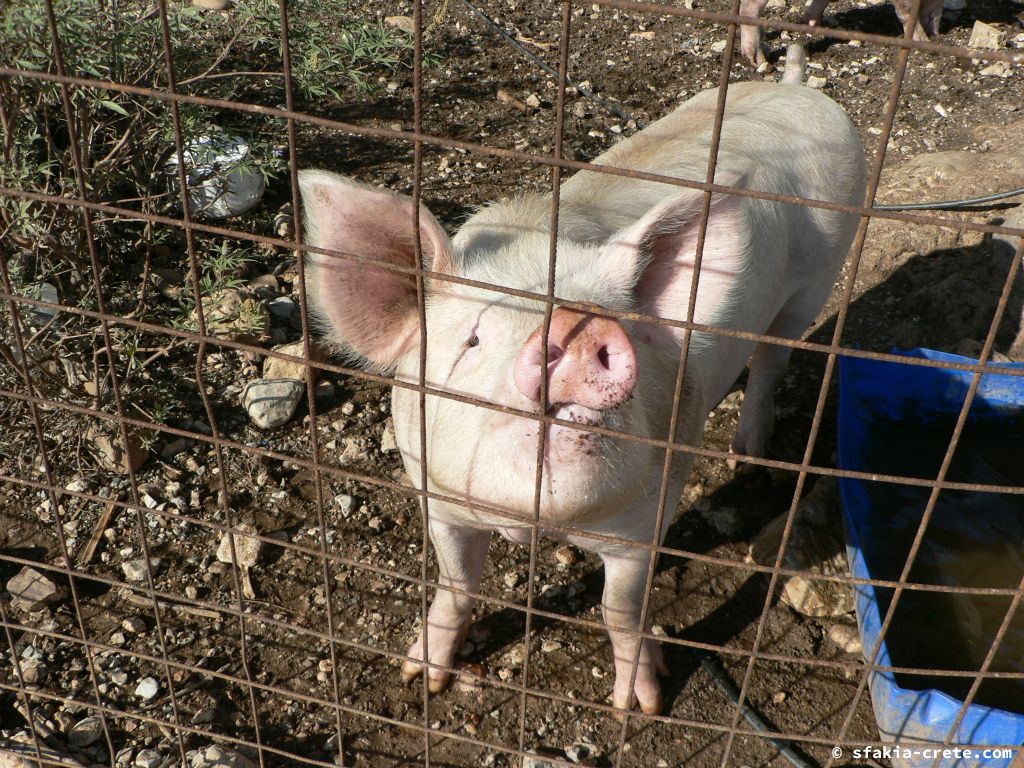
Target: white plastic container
221	179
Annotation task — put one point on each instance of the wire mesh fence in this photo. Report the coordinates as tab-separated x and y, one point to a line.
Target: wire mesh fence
185	586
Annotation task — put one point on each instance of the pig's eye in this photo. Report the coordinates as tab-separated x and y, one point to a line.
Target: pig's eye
473	341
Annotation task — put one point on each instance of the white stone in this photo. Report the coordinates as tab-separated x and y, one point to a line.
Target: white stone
148	758
387	438
845	637
272	402
135	570
147	689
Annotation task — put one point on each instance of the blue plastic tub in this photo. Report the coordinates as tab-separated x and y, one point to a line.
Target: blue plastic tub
871	390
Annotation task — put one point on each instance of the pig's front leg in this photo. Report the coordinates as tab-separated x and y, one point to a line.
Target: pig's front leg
460	553
625	578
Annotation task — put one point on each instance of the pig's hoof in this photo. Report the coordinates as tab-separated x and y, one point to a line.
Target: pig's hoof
650	704
646	689
437	679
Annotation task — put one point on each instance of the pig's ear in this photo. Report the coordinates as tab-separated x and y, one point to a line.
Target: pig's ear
658	253
371	309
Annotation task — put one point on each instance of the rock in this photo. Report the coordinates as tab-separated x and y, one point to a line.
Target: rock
387	438
247	550
277	368
283	307
816	81
515	657
265	287
581	754
566	555
406	24
272	402
986	36
110	451
150	758
135	570
168	282
718	46
815	544
204	716
507	97
645	35
87	731
133	624
175	447
147	689
33	671
533	100
550	646
998	69
845	637
219	757
230	313
345	503
32	591
353	450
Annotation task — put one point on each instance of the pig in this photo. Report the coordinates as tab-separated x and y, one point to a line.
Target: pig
625	245
927	24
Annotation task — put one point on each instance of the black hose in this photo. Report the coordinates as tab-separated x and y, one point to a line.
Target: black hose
786	748
951	203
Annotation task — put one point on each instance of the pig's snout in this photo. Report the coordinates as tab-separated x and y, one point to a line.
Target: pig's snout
591	361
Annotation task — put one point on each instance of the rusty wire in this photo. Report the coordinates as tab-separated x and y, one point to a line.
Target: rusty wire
246	617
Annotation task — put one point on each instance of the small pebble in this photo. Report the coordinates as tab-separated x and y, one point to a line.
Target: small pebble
135	570
148	758
146	690
846	637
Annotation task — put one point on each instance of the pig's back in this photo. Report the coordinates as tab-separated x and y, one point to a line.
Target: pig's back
787	139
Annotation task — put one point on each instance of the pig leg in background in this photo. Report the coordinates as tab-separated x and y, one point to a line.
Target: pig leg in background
767	367
750	36
930	14
461	552
815	12
625	579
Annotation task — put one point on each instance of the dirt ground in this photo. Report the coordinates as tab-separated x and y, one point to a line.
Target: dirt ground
957	133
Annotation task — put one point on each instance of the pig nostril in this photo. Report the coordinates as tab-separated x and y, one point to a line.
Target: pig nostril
602	357
554	353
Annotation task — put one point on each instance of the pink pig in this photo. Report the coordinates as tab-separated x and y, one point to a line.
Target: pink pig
930	14
623	244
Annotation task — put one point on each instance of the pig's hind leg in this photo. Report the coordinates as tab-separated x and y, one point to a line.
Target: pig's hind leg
460	553
767	367
750	35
